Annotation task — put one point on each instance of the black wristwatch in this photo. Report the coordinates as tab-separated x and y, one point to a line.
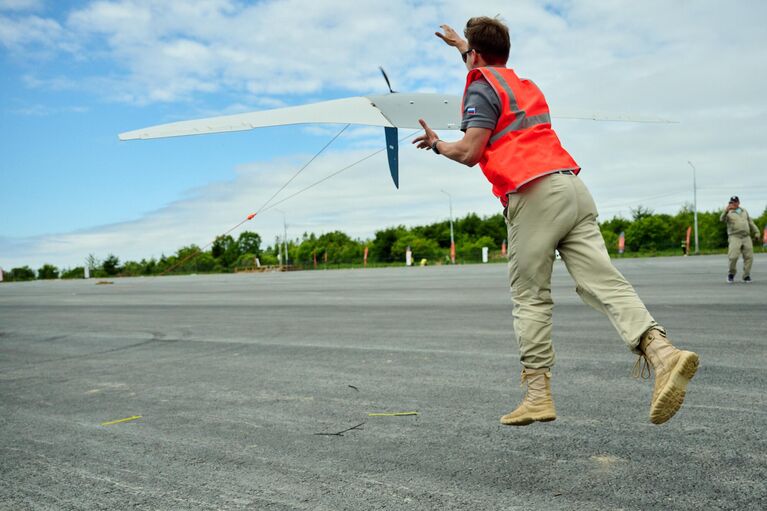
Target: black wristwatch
434	146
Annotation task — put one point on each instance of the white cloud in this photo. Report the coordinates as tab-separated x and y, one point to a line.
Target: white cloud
44	110
357	201
21	5
168	51
17	33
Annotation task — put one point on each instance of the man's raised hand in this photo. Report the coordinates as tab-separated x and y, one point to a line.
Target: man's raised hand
452	38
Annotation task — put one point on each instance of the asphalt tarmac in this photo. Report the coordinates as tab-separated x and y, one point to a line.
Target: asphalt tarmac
241	380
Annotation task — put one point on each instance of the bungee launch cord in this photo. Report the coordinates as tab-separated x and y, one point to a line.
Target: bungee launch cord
267	207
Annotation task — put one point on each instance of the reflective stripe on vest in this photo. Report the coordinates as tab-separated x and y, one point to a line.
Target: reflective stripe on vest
521	121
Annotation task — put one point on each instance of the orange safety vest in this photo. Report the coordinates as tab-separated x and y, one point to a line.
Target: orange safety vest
522	147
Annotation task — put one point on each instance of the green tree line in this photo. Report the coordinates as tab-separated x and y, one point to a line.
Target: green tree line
649	233
645	233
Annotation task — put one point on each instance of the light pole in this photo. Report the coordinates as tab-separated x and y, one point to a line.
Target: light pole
284	237
452	239
694	204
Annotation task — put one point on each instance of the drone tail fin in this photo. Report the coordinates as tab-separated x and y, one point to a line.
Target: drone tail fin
392	152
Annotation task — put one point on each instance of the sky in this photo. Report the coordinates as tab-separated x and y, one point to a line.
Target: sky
74	74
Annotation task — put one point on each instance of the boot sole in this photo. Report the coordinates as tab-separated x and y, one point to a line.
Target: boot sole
525	421
671	397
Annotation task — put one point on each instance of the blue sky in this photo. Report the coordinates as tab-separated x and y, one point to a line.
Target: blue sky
75	74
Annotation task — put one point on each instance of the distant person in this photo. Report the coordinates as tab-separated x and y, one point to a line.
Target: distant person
507	130
740	228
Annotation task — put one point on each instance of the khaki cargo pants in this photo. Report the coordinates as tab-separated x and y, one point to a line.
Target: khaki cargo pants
741	245
557	212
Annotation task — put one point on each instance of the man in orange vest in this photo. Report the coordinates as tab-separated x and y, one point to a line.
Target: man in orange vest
507	130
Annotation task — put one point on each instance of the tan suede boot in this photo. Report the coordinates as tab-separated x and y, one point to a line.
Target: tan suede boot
537	404
673	370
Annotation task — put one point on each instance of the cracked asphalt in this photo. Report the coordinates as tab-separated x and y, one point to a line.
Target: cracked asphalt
236	384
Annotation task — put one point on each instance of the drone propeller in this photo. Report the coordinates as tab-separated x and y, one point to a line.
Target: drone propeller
387	79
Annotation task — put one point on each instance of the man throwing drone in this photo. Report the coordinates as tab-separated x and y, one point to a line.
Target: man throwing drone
507	130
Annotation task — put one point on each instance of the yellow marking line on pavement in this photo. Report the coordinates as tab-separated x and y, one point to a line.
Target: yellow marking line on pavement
118	421
391	414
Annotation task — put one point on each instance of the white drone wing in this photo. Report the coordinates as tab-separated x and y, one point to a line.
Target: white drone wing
389	111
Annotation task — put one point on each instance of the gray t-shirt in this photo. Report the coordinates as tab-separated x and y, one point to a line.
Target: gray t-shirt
481	106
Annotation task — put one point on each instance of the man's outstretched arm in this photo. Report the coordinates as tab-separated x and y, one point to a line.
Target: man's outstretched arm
468	150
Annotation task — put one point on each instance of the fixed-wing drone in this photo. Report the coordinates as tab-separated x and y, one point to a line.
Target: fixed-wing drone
390	111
